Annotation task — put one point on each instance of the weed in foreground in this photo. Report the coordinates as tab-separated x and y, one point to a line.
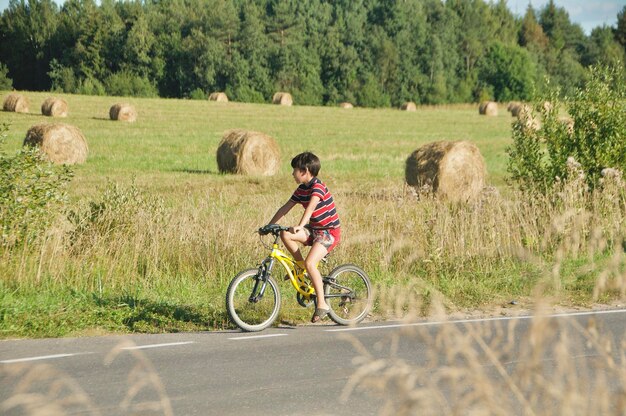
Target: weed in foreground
41	389
552	367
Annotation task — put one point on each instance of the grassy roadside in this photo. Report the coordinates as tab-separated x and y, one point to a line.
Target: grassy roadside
170	232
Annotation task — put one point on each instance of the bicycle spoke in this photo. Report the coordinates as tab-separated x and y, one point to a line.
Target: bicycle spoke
252	303
348	292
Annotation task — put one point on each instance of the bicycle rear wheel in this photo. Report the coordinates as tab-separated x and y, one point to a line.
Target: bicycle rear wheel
252	302
348	292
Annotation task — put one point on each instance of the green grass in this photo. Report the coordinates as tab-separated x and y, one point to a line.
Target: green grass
160	255
176	140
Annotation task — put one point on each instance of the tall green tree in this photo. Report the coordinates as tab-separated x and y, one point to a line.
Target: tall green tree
27	29
509	72
602	49
620	30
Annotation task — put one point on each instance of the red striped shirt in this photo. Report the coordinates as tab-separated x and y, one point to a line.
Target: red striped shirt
325	213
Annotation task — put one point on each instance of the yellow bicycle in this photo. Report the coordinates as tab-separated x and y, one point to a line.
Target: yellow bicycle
253	297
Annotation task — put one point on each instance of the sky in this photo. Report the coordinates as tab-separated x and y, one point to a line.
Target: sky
587	13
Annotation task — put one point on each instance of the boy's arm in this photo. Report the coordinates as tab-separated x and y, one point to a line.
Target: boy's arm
307	213
282	211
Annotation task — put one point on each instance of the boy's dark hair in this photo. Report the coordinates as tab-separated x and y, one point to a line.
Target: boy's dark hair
307	161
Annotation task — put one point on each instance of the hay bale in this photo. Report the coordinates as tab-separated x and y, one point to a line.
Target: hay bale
346	105
220	97
454	171
282	98
517	108
54	107
488	108
513	108
16	103
248	153
525	115
62	143
511	105
408	106
123	112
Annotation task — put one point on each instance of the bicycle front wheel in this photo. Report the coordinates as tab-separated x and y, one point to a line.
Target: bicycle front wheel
348	292
252	301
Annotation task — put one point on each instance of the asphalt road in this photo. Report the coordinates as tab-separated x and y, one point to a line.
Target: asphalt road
281	371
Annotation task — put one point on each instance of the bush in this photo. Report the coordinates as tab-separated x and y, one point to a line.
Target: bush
31	193
64	79
246	94
197	94
6	83
127	84
91	86
594	135
114	216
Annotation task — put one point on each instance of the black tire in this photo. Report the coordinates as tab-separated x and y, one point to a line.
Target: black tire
247	315
348	292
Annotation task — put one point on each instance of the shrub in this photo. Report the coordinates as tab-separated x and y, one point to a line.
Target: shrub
64	79
91	86
197	94
115	215
127	84
32	193
6	83
245	94
594	136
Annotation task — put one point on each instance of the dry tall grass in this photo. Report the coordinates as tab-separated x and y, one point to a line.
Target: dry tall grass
42	389
554	367
463	250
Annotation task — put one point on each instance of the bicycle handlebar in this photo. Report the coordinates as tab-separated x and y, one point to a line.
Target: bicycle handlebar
273	229
277	228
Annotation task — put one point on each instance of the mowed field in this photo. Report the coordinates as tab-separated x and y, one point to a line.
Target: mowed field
174	231
173	142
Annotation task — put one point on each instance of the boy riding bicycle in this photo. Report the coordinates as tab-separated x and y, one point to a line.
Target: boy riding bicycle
319	226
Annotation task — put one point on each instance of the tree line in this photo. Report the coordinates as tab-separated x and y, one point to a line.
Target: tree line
372	53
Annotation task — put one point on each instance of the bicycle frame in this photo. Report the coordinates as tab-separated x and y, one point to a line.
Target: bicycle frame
288	263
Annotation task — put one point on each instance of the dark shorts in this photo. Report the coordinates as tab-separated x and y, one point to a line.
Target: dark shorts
328	238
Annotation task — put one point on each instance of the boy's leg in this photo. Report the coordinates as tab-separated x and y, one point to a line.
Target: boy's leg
291	240
316	254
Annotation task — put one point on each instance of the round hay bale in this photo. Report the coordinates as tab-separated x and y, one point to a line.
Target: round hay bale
453	171
525	115
282	98
488	108
54	107
16	103
516	108
220	97
248	153
346	105
513	106
123	112
62	143
408	106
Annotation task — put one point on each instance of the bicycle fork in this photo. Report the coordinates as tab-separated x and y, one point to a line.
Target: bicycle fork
265	269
